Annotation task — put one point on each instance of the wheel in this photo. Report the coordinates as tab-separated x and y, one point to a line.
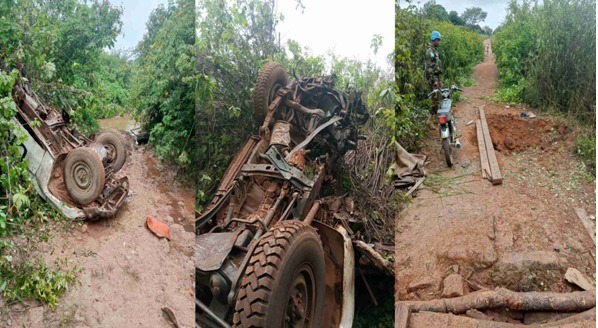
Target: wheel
114	143
448	151
284	282
270	79
84	175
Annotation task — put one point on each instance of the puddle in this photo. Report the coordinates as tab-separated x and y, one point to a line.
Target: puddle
125	123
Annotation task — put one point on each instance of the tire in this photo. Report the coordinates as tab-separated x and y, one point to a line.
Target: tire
448	151
114	143
288	261
84	175
271	77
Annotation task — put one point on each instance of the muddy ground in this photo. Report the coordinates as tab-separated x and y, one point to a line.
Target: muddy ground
127	274
523	234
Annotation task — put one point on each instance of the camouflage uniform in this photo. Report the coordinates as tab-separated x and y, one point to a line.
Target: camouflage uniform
433	71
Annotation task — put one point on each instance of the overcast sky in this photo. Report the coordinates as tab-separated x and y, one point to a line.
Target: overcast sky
134	17
344	27
496	9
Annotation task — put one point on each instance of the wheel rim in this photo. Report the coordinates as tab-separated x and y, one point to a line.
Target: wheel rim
82	175
299	309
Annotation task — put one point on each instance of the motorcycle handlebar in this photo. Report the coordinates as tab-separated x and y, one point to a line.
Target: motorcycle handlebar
454	88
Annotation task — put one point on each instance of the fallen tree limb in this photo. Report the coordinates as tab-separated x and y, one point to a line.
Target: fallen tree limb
504	298
374	257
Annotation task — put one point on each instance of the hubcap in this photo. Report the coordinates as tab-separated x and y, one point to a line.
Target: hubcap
82	175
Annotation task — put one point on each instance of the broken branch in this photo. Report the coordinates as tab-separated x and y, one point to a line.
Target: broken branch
504	298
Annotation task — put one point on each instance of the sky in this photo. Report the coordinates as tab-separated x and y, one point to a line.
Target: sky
135	14
496	9
344	27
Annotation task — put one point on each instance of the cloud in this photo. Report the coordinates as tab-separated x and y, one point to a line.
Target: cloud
134	17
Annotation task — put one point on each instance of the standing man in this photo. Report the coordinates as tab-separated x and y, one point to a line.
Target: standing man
433	72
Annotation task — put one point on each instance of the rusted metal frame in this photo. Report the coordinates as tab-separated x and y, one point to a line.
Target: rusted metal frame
305	110
282	93
289	206
260	170
286	169
241	158
211	314
251	248
43	132
313	134
312	213
207	216
112	201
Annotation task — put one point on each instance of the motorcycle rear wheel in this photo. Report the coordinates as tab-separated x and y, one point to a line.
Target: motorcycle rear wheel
448	151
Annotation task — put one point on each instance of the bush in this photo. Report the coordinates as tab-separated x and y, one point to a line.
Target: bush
546	56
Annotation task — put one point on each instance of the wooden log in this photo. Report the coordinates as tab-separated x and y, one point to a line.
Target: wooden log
416	185
494	168
482	148
583	217
504	298
402	314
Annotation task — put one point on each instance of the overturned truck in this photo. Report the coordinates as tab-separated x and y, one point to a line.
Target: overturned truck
75	174
268	251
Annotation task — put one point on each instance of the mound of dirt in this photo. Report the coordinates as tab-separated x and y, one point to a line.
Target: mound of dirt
510	132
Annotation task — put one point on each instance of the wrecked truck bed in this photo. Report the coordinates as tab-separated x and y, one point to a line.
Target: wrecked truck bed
269	252
75	174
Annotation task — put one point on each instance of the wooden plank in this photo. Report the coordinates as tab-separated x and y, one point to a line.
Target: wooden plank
583	217
416	185
496	176
402	313
483	154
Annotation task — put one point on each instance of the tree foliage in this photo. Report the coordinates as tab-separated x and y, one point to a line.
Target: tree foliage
456	19
546	56
434	11
164	81
474	15
60	44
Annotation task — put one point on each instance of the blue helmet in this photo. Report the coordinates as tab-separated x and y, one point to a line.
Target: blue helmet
435	35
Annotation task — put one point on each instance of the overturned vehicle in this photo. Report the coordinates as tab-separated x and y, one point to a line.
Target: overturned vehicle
269	253
75	174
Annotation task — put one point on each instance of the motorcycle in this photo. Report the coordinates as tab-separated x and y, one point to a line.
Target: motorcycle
447	125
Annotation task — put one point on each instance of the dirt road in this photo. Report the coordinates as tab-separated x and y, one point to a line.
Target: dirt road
127	275
523	234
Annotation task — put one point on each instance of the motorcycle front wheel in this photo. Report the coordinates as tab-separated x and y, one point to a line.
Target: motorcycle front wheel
448	151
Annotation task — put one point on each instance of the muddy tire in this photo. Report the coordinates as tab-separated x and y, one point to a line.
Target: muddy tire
284	282
270	79
84	175
115	144
448	151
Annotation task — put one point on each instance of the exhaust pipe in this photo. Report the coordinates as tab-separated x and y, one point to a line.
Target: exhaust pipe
457	144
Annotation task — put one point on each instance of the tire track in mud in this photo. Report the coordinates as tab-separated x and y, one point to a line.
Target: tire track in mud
127	275
522	234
